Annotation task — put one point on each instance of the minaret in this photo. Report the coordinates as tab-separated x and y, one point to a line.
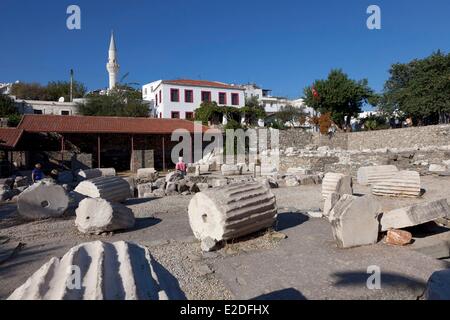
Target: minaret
112	66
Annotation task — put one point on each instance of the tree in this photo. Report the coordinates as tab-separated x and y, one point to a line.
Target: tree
209	111
29	91
290	114
122	101
339	95
58	89
9	110
419	89
253	111
51	92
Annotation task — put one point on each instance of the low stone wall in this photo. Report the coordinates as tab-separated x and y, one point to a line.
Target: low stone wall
416	137
348	161
400	138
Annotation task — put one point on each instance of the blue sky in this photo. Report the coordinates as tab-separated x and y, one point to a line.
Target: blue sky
281	45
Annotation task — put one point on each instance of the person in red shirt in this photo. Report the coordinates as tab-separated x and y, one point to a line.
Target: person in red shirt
181	166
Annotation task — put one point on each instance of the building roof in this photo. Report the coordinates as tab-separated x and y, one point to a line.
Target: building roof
9	137
202	83
90	124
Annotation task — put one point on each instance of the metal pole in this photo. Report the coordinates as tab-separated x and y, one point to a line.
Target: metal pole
164	154
98	151
62	151
71	85
132	154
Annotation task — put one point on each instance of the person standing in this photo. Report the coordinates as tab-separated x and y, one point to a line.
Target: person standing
181	166
37	174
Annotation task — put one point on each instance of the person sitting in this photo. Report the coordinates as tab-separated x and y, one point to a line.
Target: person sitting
181	166
37	174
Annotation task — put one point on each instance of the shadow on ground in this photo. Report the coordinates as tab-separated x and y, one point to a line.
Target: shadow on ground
135	201
392	280
142	223
287	220
284	294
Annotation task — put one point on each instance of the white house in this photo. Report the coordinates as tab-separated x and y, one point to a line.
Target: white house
48	107
179	98
272	104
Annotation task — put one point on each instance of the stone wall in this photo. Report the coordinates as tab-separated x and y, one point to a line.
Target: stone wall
438	135
400	138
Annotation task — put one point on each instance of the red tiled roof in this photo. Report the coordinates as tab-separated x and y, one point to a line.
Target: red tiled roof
202	83
90	124
9	137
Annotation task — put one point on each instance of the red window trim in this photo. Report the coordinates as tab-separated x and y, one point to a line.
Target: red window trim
235	95
192	96
160	96
201	95
225	101
174	112
178	94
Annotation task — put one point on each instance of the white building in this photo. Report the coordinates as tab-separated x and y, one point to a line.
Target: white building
5	88
273	104
179	98
48	107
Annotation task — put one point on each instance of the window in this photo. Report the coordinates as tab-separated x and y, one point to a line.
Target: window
189	115
160	114
206	96
145	91
235	99
188	96
222	98
156	99
37	111
175	115
65	113
174	95
160	96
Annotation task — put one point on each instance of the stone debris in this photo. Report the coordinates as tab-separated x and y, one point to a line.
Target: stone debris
232	211
109	271
437	168
95	215
159	193
132	183
42	200
231	170
374	174
354	221
329	203
109	188
201	168
21	181
401	184
218	182
315	214
414	215
144	188
160	183
438	286
202	186
336	183
145	175
398	237
171	188
298	170
88	174
174	176
108	172
291	181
